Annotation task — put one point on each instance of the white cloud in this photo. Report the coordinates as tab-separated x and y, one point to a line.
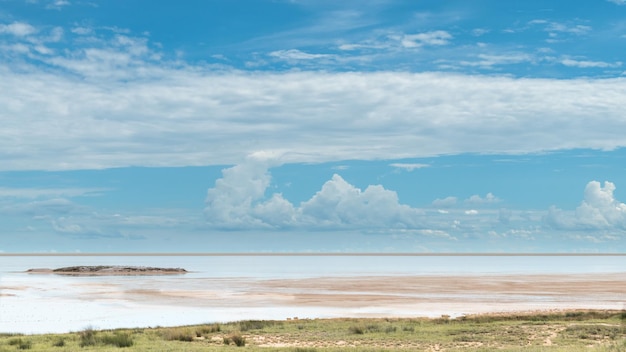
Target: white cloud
590	64
445	202
477	32
18	29
490	60
339	203
599	210
409	166
117	103
564	28
32	193
556	28
294	54
238	201
57	4
488	199
426	38
230	202
45	207
82	30
618	2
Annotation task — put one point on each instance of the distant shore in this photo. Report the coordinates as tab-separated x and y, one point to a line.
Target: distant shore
108	270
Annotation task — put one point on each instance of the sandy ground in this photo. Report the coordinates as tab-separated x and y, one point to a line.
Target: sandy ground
76	303
416	295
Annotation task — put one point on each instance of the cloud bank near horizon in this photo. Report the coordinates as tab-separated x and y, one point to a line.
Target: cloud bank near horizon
240	201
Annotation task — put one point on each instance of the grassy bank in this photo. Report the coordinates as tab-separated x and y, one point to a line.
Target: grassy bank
567	331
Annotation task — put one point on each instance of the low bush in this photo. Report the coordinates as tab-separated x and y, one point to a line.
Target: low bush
236	339
357	330
87	337
21	343
239	340
118	339
178	334
208	329
255	324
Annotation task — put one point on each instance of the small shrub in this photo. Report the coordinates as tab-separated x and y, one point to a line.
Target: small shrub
592	332
239	340
255	324
178	335
59	343
227	340
408	328
373	328
357	330
21	343
304	349
208	329
87	337
118	339
389	329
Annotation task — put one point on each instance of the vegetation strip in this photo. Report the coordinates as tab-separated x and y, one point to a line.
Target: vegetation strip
564	331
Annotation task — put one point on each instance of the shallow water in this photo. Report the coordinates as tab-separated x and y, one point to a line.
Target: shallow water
223	287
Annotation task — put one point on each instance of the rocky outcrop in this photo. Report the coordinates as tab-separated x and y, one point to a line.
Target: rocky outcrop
110	270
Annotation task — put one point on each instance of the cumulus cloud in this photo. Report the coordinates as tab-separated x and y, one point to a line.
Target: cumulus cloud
340	203
240	189
18	29
239	200
599	210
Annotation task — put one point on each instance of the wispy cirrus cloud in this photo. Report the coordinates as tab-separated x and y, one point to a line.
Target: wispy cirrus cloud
295	54
32	193
409	166
590	64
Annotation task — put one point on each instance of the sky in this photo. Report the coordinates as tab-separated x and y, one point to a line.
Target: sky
312	126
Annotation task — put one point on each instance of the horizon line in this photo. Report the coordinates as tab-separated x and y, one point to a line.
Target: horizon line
305	254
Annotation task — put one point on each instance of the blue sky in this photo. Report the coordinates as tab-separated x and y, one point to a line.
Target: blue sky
296	125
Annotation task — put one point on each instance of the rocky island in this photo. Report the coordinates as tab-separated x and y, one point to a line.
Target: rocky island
117	270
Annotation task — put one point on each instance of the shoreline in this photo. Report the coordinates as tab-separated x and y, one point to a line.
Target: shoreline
41	304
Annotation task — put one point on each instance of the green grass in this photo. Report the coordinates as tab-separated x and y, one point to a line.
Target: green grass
602	331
